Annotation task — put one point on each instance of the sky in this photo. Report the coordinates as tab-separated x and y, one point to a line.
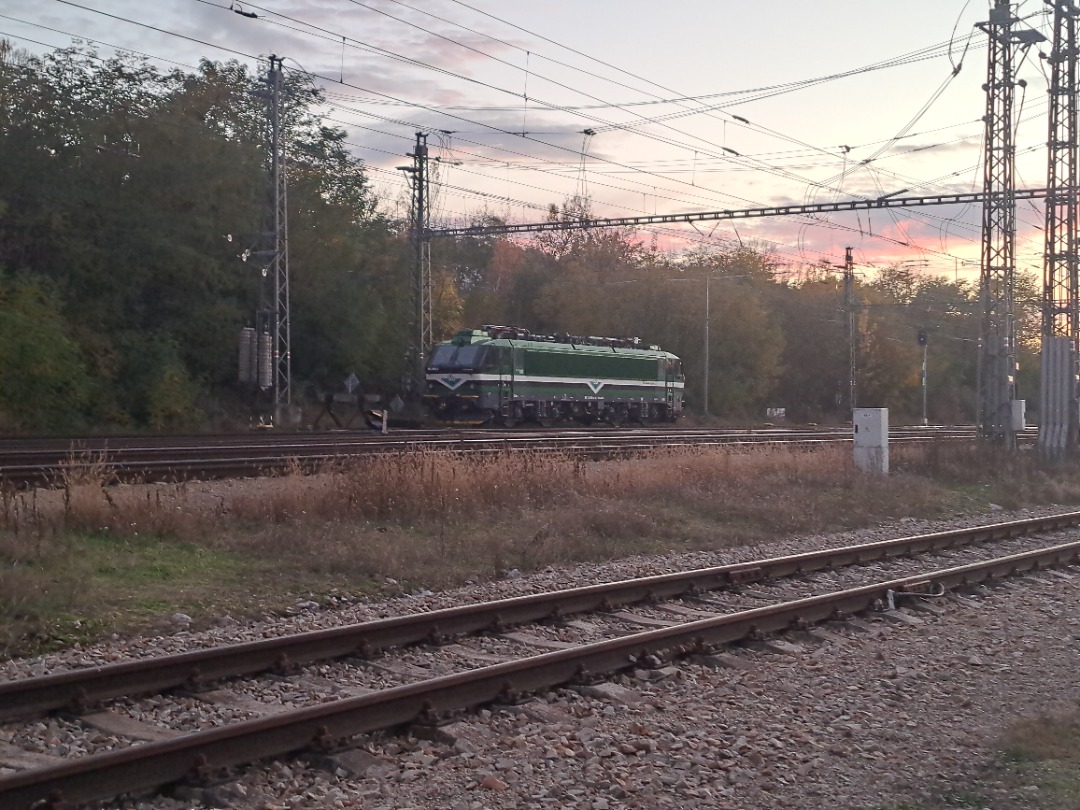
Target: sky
645	108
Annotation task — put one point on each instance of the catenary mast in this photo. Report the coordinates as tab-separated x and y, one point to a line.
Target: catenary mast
997	334
1059	417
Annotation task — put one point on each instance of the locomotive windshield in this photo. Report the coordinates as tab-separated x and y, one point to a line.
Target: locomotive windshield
446	357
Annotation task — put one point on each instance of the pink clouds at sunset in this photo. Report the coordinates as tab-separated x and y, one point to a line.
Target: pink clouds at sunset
702	106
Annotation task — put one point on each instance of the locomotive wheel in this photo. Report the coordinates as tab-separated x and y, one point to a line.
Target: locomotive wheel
616	415
545	421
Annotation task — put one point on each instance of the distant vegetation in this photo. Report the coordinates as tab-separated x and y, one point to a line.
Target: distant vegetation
127	197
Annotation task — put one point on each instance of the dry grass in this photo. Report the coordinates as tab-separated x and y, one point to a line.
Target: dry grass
108	556
1038	764
1052	737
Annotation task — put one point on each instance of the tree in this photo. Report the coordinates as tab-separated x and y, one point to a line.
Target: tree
44	384
133	195
813	382
899	305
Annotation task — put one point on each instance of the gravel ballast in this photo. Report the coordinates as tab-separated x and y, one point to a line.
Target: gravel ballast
867	714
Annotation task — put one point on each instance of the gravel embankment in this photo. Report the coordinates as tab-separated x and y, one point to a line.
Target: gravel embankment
858	717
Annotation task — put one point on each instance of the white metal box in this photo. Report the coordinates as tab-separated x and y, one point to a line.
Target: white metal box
871	438
1019	414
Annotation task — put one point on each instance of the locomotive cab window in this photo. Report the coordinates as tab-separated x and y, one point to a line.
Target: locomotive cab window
671	369
459	358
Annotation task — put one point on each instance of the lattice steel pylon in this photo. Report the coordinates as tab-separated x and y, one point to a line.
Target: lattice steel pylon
1059	414
419	230
997	341
279	263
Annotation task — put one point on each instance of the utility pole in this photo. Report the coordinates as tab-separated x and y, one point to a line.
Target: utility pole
849	306
279	265
997	357
1059	414
705	395
265	354
419	227
922	342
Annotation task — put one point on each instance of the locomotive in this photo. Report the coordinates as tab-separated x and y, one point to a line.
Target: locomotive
503	375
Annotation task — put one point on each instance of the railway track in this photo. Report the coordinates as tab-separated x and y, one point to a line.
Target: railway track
44	462
685	613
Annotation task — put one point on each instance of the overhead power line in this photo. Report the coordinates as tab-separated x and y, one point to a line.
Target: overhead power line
722	154
744	213
496	129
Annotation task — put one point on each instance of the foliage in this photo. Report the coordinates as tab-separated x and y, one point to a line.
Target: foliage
133	194
152	376
133	205
44	379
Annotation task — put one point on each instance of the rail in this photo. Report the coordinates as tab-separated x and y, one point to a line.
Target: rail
332	725
36	463
79	689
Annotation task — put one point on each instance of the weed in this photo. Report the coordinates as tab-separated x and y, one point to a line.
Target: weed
115	556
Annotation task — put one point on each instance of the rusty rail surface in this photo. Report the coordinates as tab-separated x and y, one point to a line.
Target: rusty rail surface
79	689
330	725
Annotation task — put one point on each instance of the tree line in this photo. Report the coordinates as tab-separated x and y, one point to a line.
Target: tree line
129	197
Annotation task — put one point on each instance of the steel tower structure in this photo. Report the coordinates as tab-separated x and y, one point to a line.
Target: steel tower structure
419	230
997	334
1059	415
279	264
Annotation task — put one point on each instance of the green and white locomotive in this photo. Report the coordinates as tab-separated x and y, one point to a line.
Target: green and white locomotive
503	375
